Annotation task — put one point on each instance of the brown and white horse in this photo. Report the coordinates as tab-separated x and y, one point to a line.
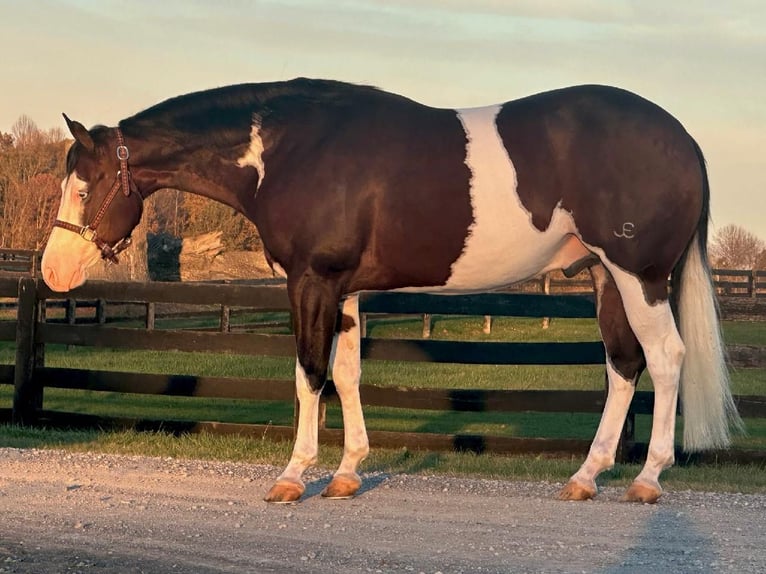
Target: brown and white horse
353	189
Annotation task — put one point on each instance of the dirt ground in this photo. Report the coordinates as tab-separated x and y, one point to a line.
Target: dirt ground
93	514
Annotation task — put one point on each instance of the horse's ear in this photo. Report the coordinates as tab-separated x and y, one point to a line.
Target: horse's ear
80	134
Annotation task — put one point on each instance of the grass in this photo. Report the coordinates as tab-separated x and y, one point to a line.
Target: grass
569	425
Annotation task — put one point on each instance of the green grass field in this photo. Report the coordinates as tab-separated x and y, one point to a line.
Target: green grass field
558	425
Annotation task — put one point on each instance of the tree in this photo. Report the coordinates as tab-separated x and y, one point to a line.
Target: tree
28	211
761	261
203	215
734	247
31	165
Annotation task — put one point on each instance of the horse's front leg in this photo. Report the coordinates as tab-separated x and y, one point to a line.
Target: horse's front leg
315	307
346	373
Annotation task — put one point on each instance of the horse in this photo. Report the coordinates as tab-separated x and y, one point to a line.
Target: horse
353	188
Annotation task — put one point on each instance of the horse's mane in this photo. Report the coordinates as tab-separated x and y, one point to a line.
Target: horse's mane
219	110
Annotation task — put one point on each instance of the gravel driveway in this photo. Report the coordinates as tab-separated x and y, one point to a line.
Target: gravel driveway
94	514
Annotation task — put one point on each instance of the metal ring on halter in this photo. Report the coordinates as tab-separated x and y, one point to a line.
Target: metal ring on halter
122	153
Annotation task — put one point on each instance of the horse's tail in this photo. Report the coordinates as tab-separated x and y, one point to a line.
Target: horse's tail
707	405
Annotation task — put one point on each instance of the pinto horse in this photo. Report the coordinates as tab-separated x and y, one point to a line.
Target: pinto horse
353	188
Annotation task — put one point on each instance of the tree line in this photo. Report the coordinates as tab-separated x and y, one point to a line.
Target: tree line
32	165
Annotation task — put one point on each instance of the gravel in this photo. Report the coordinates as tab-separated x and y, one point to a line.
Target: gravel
95	513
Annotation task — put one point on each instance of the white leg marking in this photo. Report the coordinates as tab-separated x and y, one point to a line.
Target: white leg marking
602	450
254	155
307	442
655	329
346	373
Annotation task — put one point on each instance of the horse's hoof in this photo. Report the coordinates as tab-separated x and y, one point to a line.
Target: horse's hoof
284	492
642	492
575	490
342	486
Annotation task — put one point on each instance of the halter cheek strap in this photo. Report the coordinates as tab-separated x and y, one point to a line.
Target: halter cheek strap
123	181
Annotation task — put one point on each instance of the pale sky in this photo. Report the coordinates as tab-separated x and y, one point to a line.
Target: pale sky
704	61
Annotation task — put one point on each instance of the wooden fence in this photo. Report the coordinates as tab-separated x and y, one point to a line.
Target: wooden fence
19	261
31	332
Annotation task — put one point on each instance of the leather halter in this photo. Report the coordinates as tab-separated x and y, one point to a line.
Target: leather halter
123	181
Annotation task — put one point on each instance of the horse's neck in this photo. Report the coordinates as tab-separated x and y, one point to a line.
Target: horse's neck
194	170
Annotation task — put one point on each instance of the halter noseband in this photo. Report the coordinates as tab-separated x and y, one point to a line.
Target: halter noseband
123	181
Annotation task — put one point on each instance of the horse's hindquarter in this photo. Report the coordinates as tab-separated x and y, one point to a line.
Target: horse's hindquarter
624	168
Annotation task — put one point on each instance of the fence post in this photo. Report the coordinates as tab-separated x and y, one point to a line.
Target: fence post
362	325
426	325
487	326
27	396
35	262
225	319
70	313
150	312
101	311
752	284
547	291
40	347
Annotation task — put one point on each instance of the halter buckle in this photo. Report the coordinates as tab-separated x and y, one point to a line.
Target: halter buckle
122	152
88	234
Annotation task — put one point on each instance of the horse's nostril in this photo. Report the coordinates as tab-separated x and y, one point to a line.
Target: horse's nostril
50	277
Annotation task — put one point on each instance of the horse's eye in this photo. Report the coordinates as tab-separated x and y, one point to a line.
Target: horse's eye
83	193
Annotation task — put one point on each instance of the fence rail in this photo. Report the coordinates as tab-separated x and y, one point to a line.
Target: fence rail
19	261
30	375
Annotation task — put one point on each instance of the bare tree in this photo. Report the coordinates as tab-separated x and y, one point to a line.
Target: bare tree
31	165
734	247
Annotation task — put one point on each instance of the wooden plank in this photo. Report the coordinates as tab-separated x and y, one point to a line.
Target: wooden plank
59	419
179	340
474	352
261	297
476	400
496	304
9	287
6	374
466	352
168	385
7	330
491	400
731	272
751	406
16	266
478	444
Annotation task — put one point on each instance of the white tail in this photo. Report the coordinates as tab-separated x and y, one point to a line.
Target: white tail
708	408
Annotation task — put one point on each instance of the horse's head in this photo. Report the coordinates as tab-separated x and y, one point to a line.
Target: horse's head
100	206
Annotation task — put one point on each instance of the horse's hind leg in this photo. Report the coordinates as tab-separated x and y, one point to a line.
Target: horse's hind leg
314	301
346	373
624	364
655	327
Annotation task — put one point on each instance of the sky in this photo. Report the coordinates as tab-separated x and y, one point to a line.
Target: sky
704	61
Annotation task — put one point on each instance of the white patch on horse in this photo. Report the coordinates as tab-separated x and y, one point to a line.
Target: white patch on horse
254	155
502	246
67	255
72	209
